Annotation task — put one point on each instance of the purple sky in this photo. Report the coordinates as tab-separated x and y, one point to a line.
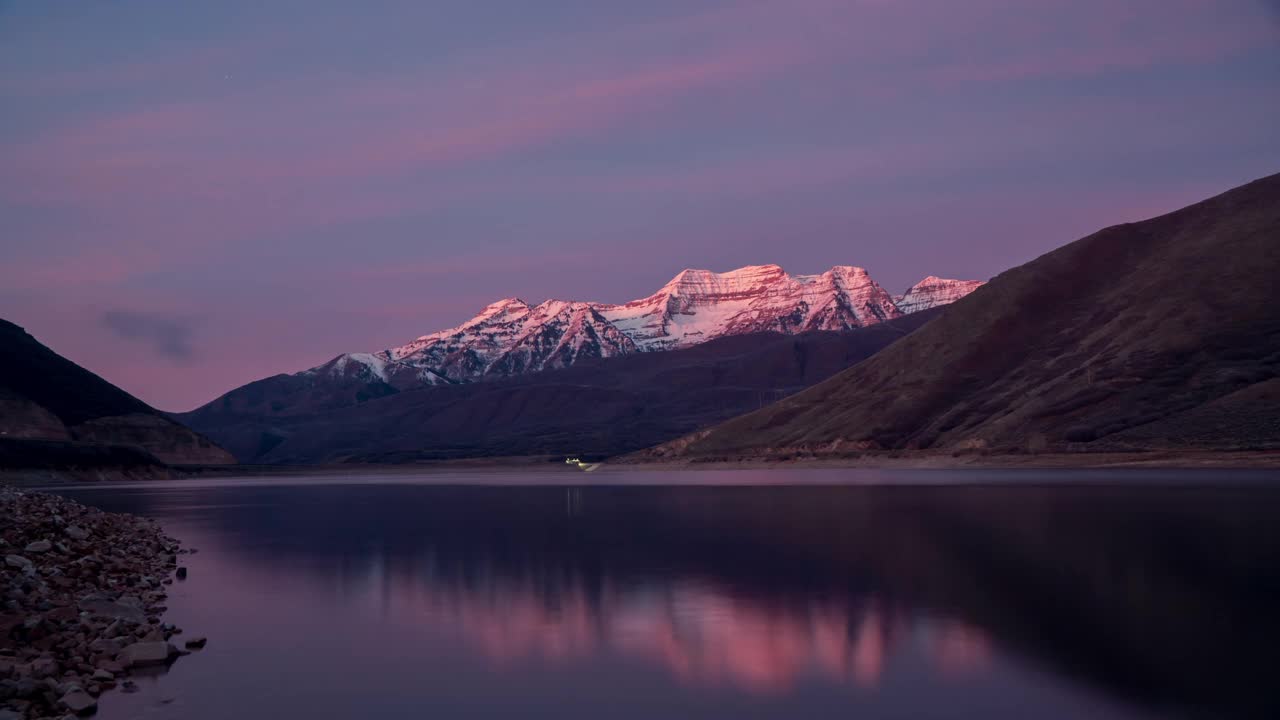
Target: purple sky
196	195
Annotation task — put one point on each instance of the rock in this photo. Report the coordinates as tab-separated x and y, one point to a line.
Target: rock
129	686
76	532
197	642
145	653
44	667
110	666
182	573
102	675
17	561
10	715
106	646
62	614
39	546
115	611
79	702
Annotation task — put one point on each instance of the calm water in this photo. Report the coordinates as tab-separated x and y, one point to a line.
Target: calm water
405	597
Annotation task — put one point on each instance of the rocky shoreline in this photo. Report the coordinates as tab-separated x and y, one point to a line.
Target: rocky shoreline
83	595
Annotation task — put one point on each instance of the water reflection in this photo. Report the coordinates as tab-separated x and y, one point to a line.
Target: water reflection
699	634
1160	598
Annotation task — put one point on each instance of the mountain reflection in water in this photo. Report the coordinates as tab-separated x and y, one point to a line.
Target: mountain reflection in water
1147	600
697	633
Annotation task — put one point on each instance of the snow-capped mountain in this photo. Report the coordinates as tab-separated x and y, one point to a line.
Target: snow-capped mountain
510	337
932	292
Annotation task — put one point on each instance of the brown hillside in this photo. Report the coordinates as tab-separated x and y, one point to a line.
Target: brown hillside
1157	334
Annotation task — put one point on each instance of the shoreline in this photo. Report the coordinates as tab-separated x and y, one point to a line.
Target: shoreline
1170	460
84	593
545	465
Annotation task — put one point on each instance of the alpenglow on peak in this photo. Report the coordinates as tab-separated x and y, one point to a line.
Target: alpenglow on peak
510	336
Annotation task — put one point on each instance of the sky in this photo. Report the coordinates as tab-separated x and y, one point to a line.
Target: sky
197	195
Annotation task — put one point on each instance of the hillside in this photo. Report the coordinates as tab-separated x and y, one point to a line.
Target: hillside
595	408
1161	334
51	408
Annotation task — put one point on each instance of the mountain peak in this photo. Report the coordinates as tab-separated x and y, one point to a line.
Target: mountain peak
504	304
934	291
694	278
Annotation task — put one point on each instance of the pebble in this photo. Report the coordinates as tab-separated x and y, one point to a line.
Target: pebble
39	546
17	561
76	533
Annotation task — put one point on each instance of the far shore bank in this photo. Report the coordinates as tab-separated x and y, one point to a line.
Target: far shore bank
1179	460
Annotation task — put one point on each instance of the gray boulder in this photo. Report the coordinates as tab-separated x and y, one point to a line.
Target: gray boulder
145	653
79	702
114	610
106	646
17	561
75	532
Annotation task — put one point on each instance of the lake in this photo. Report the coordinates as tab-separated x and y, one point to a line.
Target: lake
746	594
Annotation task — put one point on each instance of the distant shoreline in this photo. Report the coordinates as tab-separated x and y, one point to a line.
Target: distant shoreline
1173	460
1181	460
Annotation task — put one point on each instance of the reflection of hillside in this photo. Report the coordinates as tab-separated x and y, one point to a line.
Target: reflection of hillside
1164	595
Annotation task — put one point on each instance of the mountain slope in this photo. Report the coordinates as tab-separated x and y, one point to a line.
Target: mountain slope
596	407
45	397
1143	335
